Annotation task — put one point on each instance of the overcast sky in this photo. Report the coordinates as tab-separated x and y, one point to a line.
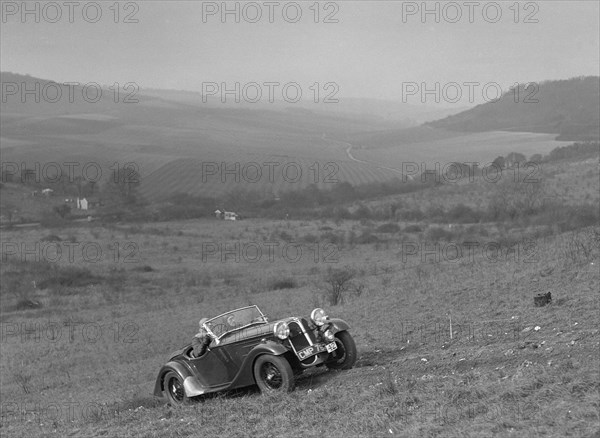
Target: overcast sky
369	52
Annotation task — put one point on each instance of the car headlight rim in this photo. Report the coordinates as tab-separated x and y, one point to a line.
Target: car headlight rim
281	330
319	316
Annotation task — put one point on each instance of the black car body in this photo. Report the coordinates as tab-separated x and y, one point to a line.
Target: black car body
246	349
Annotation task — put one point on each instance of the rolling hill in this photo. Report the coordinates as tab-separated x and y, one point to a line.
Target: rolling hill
171	135
569	108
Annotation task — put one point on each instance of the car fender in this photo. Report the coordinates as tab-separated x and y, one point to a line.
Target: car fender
268	347
177	367
338	325
246	373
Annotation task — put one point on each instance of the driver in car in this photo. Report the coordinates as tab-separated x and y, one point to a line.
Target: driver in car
201	340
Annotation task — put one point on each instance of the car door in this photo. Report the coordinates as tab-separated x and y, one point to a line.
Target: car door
213	368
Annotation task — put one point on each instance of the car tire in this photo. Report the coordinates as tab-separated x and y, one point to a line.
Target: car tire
173	389
344	357
273	373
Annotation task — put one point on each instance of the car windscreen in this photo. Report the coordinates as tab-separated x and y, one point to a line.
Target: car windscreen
234	320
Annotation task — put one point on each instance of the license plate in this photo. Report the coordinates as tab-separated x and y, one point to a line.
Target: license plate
315	349
331	347
308	351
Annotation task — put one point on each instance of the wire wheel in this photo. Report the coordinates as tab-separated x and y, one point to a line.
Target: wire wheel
273	373
173	384
344	357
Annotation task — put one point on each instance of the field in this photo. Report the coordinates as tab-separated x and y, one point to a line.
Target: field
172	137
442	146
85	332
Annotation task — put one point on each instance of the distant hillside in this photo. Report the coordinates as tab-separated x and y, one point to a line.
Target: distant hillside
569	108
373	110
170	135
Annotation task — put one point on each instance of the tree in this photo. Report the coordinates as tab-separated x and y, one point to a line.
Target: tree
516	198
339	281
499	162
536	158
62	210
513	158
124	183
10	210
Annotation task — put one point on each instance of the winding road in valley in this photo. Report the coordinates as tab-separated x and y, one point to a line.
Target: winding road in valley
348	149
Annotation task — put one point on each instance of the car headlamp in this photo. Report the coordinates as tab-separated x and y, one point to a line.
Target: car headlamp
319	316
281	330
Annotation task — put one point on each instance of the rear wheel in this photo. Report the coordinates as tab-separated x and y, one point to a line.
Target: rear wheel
344	356
273	373
173	388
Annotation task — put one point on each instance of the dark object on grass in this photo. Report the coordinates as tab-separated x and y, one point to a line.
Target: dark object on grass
247	349
541	300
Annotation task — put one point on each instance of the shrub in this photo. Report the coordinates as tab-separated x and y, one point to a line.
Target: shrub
144	268
285	236
26	304
367	237
230	280
309	238
388	228
437	233
283	283
62	210
331	237
435	212
463	213
412	229
362	212
51	238
583	246
69	276
339	281
412	215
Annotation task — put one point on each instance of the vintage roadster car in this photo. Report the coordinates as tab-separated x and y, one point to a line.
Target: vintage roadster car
246	349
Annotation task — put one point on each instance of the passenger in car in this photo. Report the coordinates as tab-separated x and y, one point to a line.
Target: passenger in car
201	340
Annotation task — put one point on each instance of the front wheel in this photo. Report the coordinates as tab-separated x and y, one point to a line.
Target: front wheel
344	356
173	388
273	373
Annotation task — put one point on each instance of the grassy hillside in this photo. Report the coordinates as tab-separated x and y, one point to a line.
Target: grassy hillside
84	337
568	108
499	374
